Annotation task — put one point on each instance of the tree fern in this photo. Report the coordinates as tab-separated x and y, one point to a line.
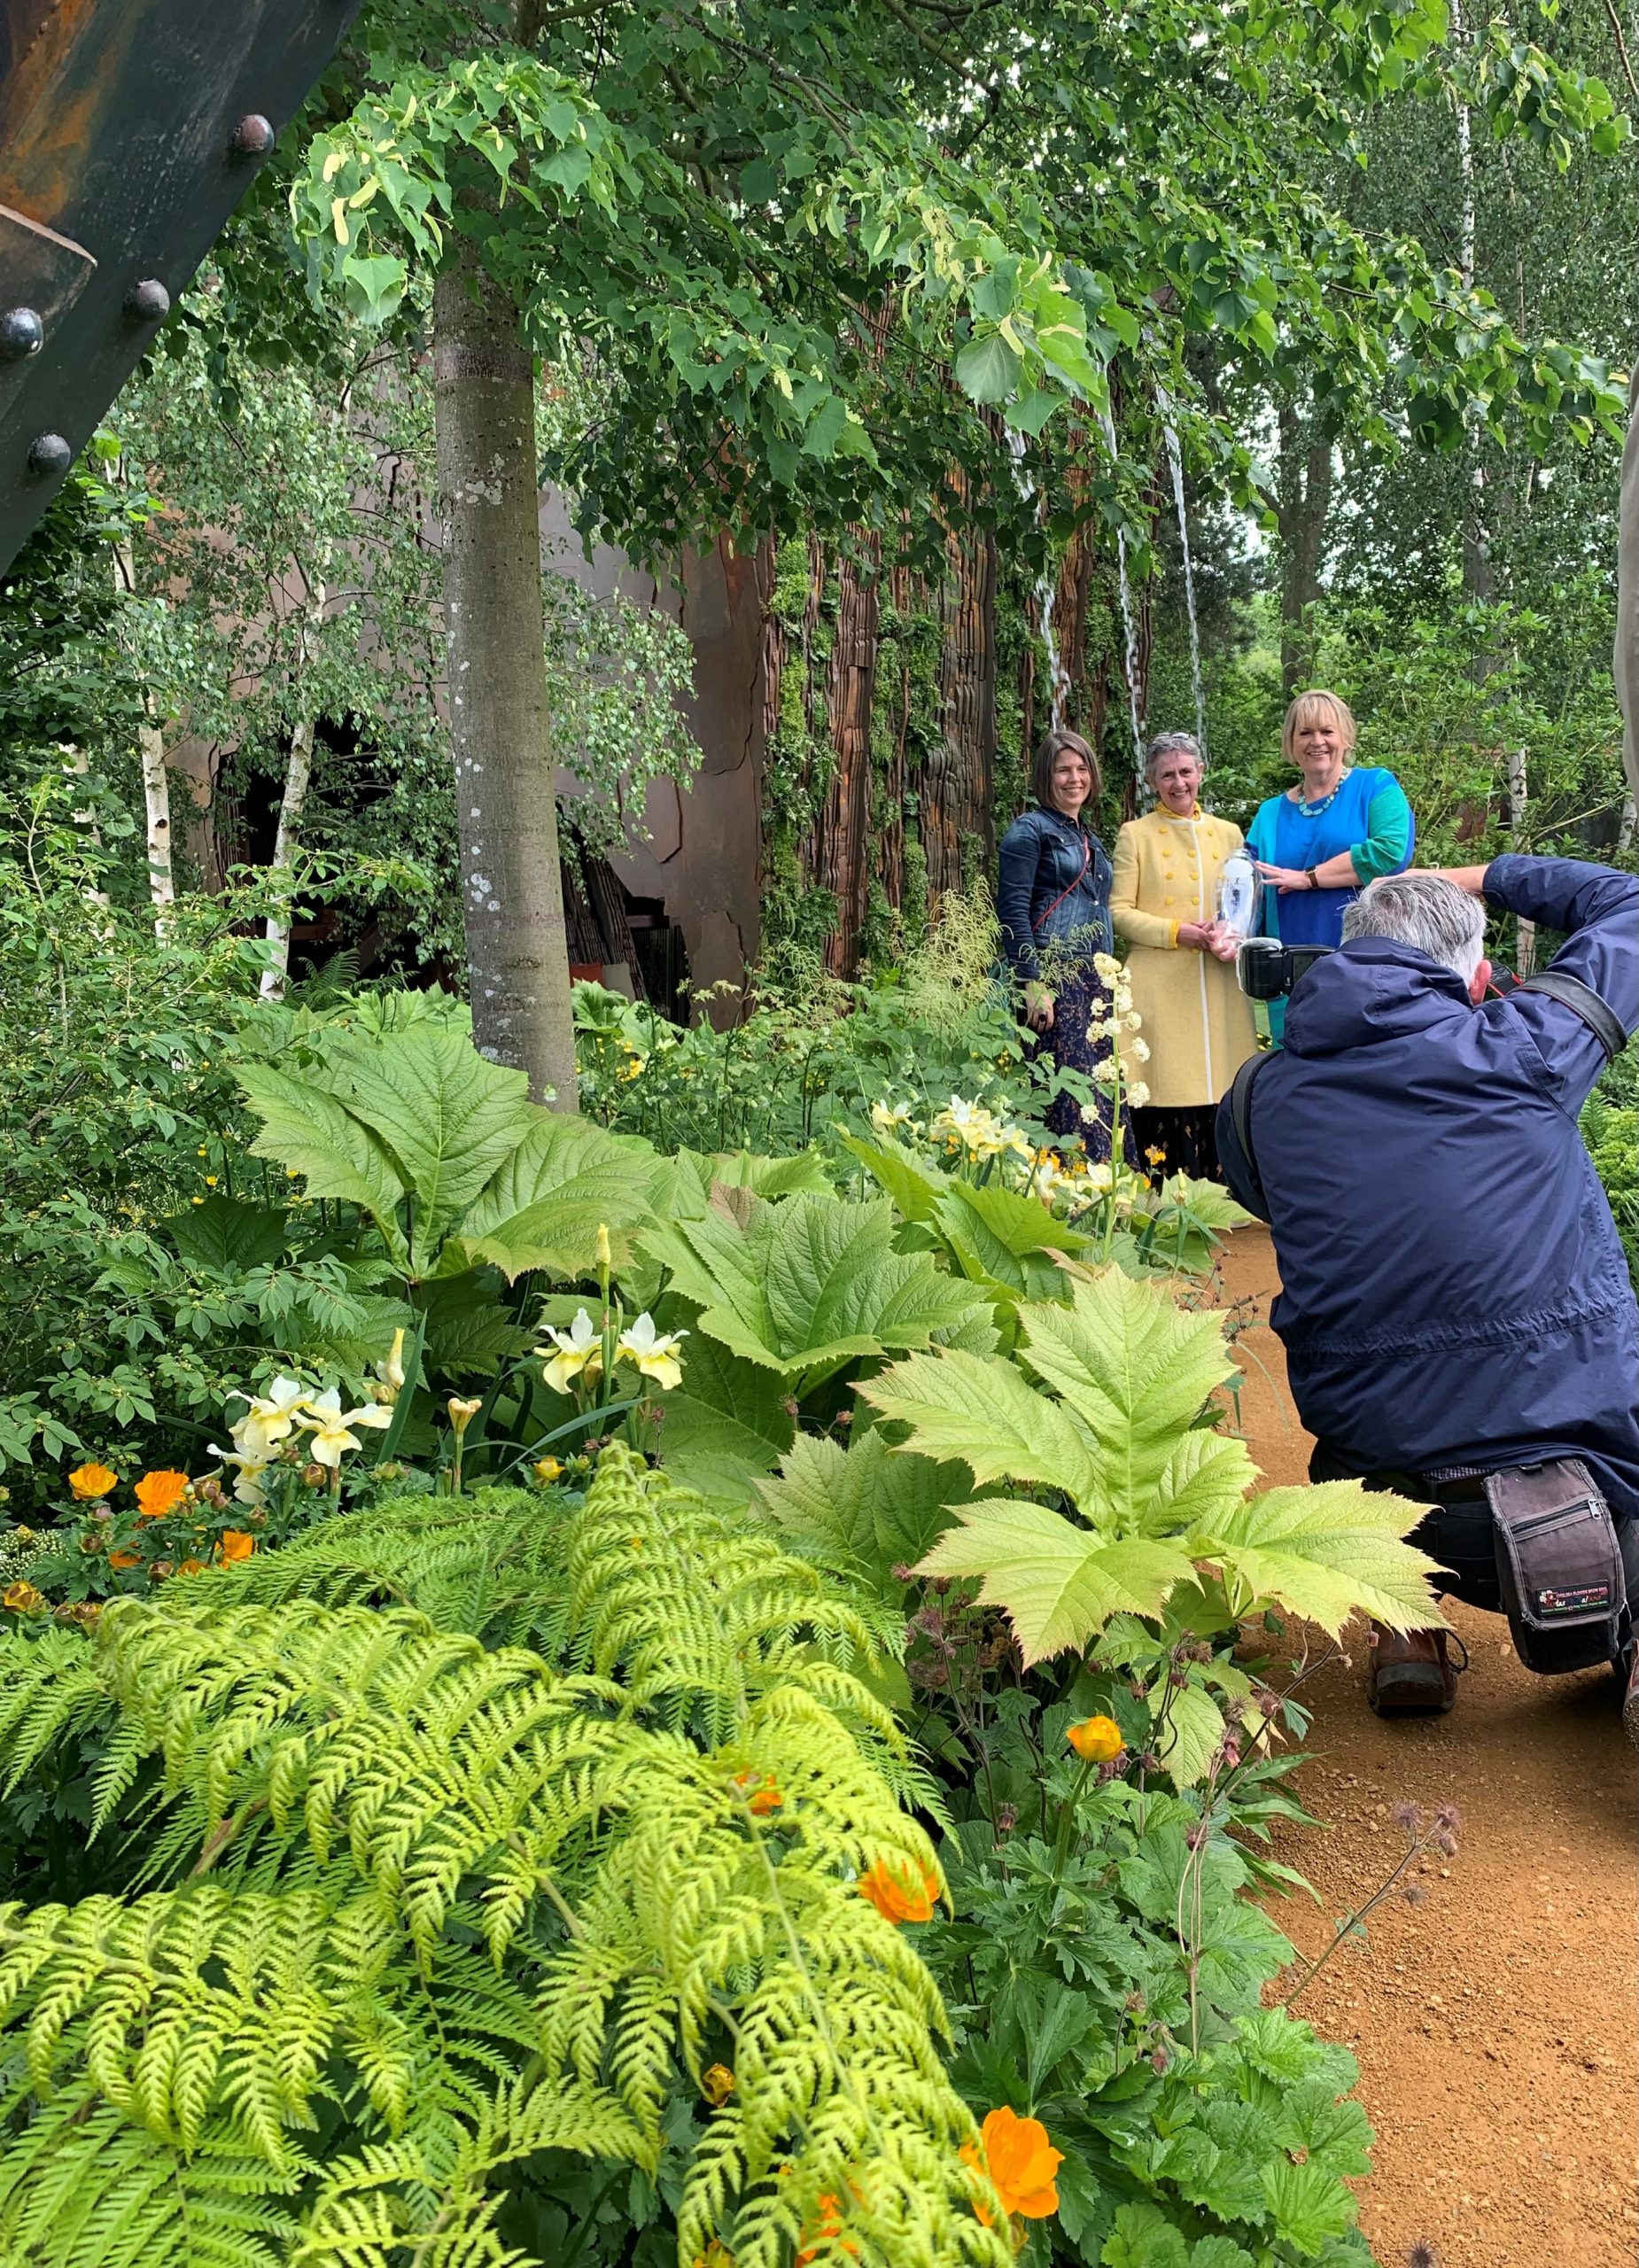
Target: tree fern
418	1909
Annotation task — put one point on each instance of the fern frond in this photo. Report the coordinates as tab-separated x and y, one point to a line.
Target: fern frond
445	1905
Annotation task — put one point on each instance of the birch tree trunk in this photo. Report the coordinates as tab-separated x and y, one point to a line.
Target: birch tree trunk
298	775
517	953
156	782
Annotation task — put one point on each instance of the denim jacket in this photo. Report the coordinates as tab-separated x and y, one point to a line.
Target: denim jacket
1040	858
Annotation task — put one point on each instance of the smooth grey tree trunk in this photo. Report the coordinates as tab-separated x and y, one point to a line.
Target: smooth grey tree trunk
517	954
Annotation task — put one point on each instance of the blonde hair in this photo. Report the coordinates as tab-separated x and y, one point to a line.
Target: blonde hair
1315	708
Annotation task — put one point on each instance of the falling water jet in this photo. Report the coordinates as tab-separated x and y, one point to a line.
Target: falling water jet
1108	424
1058	676
1175	458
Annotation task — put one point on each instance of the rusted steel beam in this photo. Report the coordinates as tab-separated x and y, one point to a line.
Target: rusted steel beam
129	130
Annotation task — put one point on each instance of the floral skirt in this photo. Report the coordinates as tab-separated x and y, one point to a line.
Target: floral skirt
1179	1140
1070	1046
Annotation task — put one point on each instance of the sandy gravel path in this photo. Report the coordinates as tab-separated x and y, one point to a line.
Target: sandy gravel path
1495	2024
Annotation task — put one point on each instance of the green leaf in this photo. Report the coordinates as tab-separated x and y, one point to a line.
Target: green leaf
1058	1583
225	1233
1324	1552
1137	1368
469	1331
988	370
1310	2204
917	1190
1193	1735
308	1131
883	1510
448	1116
986	1413
544	1205
808	1284
801	1175
1144	2238
1335	2134
726	1425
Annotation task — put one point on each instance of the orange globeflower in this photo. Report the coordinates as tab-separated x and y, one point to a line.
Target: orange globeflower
22	1598
894	1898
159	1493
717	2084
827	2228
236	1545
1098	1739
89	1482
1022	2164
191	1567
122	1560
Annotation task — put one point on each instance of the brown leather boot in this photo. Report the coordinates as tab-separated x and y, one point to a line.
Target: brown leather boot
1410	1671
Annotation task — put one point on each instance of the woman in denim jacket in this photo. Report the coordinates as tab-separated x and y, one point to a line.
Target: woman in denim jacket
1053	896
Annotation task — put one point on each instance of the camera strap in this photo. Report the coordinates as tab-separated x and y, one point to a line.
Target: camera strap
1600	1017
1240	1111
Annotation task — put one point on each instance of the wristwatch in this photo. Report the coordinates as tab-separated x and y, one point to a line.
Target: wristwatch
1310	872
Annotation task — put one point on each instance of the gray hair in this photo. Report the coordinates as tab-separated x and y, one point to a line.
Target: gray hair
1422	909
1171	744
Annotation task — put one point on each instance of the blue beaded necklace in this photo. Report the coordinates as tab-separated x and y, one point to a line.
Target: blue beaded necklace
1314	810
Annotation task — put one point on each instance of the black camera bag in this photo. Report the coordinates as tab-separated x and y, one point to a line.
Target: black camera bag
1559	1565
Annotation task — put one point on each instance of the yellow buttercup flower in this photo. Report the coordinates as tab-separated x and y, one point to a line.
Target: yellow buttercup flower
717	2084
91	1482
1097	1739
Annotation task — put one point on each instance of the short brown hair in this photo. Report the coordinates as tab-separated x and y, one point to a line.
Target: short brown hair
1306	708
1052	746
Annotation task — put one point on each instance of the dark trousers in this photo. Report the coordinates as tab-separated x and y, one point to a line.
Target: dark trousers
1457	1532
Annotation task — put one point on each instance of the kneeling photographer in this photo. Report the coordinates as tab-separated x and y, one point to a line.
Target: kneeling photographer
1456	1306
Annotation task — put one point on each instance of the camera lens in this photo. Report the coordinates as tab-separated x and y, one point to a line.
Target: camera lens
1261	968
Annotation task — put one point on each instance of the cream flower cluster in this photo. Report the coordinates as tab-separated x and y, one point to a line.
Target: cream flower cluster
1121	1026
273	1422
575	1357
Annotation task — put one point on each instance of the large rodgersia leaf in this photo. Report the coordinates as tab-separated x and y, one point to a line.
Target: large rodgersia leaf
445	1151
1156	1494
809	1284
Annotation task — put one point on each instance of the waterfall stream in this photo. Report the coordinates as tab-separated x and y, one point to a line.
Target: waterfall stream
1058	676
1125	587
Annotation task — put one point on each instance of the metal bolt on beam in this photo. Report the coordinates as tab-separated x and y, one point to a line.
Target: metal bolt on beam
148	301
253	136
49	452
21	334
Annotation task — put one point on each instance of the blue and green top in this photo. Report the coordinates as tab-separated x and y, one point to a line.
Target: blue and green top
1367	816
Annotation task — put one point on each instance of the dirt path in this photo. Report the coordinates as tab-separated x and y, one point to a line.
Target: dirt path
1495	2024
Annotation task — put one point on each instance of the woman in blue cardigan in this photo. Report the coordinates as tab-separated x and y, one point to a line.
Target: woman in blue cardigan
1319	843
1052	898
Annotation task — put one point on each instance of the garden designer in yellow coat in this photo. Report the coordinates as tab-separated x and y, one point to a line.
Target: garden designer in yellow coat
1197	1021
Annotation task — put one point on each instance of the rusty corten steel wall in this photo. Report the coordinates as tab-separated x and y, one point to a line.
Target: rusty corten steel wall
129	130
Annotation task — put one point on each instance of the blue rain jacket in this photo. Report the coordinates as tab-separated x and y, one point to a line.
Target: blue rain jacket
1454	1292
1039	899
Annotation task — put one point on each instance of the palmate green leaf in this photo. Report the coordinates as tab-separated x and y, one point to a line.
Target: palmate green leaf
882	1508
308	1131
1193	1736
1006	1242
801	1175
1137	1368
1206	1472
1310	2204
448	1116
1057	1582
225	1233
986	1413
808	1284
725	1424
544	1204
917	1190
1324	1552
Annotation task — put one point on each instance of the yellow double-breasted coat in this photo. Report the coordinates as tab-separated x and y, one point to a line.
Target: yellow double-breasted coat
1197	1021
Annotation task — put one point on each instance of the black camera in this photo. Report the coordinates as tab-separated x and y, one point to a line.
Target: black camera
1267	970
